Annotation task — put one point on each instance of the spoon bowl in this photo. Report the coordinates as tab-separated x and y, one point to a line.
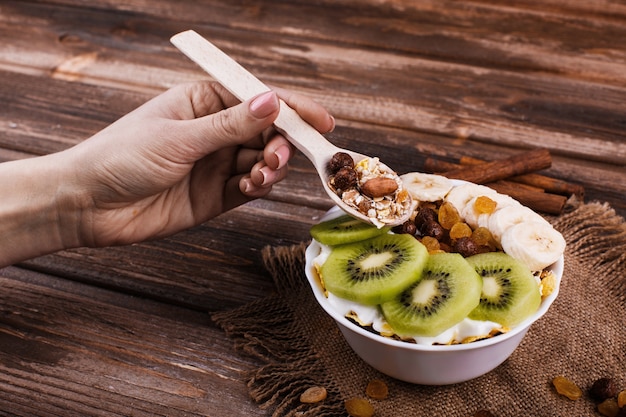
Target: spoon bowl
243	85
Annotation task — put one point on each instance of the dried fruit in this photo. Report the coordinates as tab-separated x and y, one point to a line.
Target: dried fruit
567	387
484	204
313	395
379	187
621	399
483	237
460	230
431	244
448	215
433	229
377	389
608	407
359	407
603	388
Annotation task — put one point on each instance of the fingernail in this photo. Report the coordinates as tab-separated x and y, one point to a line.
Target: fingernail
282	154
246	185
264	105
266	175
332	123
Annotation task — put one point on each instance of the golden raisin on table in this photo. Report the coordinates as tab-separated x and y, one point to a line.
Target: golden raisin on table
621	399
567	387
377	389
313	395
608	407
359	407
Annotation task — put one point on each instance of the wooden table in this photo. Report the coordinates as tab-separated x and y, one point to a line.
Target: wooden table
126	330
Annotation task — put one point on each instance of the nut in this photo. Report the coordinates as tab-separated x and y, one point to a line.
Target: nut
379	187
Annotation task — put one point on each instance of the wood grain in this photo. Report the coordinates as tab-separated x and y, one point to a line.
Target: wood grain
124	330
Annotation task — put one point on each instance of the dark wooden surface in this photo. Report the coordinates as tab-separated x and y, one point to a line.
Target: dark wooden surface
126	331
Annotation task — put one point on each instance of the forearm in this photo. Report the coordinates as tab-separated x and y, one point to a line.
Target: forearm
37	210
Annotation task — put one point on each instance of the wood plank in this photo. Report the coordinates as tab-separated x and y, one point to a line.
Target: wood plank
212	267
512	105
67	349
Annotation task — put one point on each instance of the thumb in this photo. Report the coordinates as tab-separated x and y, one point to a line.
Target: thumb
238	124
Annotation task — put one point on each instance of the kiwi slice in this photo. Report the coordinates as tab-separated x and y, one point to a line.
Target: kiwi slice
447	291
344	229
510	292
374	270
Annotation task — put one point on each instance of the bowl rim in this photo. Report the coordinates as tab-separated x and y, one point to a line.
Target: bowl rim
311	252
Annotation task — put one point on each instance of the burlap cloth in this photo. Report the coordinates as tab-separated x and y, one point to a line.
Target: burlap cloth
583	336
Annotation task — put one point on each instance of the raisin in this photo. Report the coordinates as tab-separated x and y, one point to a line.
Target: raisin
377	389
621	399
609	407
345	179
460	230
484	204
340	160
432	244
313	395
448	216
602	389
359	407
483	237
567	388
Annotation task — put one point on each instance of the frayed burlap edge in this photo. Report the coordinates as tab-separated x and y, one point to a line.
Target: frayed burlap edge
595	234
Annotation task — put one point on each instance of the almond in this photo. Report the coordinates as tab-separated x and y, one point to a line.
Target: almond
379	187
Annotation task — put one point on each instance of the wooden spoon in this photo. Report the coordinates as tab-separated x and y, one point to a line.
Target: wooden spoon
243	85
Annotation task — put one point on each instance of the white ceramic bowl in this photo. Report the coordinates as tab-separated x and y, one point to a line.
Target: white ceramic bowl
427	364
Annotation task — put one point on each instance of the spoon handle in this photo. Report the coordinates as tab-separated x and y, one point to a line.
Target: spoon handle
243	85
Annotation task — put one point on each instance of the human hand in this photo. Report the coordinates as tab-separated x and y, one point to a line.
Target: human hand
180	159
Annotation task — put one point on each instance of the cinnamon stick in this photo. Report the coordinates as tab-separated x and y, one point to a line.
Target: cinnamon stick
522	163
530	196
538	201
548	184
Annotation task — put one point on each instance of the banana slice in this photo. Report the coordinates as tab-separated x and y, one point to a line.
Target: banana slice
536	243
502	201
502	219
461	195
426	187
